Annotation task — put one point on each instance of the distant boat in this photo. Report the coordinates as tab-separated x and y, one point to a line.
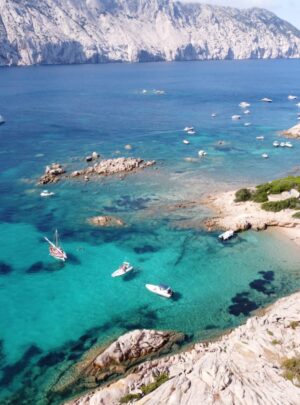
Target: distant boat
123	269
265	155
260	138
55	250
247	112
226	235
214	115
159	91
298	105
186	129
247	124
276	144
2	120
191	132
288	144
161	289
266	100
202	153
236	117
144	91
291	97
185	141
244	104
46	193
282	144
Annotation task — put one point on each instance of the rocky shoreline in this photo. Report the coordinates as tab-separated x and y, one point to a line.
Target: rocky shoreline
105	167
252	365
293	132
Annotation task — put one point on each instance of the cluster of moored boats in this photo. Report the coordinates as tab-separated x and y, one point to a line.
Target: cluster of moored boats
57	252
245	106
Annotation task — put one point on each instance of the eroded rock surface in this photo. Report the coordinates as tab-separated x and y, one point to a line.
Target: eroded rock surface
106	221
242	368
293	132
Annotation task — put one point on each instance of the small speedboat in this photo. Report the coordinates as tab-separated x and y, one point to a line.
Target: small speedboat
291	97
282	144
226	235
247	124
144	91
2	120
288	145
266	100
236	117
276	144
55	250
191	132
265	155
298	105
214	115
186	142
186	129
123	269
247	112
202	153
160	289
46	193
244	104
260	138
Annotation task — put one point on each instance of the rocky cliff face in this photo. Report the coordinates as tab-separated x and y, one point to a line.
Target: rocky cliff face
256	364
95	31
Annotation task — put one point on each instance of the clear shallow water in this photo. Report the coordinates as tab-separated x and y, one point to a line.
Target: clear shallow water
64	113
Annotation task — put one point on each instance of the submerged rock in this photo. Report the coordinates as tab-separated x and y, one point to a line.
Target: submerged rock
106	221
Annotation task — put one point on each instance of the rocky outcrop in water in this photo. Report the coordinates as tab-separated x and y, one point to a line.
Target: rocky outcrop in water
96	31
246	367
105	167
293	132
106	221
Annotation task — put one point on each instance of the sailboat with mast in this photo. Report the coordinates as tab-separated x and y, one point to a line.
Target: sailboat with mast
55	250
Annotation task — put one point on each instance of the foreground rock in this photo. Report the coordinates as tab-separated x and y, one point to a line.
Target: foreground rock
293	132
106	221
244	215
127	351
244	367
105	167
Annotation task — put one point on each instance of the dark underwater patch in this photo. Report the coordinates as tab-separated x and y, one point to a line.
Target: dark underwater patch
5	268
47	267
241	305
51	359
146	249
264	284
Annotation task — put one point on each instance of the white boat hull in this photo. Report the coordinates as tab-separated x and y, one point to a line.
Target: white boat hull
159	291
121	272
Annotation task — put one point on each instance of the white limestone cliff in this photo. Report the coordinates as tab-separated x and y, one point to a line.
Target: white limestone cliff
95	31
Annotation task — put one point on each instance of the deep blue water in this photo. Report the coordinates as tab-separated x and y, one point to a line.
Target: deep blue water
63	113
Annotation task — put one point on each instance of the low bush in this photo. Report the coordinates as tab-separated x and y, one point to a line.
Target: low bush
244	194
276	206
159	380
129	397
296	215
292	369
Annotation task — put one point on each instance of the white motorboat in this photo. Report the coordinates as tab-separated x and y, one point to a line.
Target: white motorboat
288	145
226	235
291	97
186	129
186	142
191	132
266	100
214	115
260	138
244	104
144	91
265	155
298	105
236	117
202	153
2	120
55	250
123	269
247	124
247	112
160	289
282	144
159	91
276	144
46	193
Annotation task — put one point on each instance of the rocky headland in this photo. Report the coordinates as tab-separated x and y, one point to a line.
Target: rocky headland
256	364
105	167
293	132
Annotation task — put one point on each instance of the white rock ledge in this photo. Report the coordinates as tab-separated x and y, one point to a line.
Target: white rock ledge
242	368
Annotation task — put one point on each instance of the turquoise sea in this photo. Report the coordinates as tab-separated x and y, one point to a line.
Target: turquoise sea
51	313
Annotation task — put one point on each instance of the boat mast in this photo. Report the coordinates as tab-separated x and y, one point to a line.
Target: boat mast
56	238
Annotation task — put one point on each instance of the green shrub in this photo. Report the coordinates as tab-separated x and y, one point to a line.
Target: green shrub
244	194
292	369
129	397
276	342
276	206
296	215
294	324
159	380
